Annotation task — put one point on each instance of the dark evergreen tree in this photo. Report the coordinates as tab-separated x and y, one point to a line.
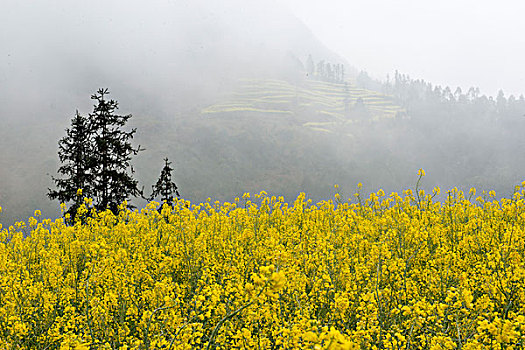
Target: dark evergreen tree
74	154
113	181
165	187
96	155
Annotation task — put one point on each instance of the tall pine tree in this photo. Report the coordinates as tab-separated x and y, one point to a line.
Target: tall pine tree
165	187
113	182
95	156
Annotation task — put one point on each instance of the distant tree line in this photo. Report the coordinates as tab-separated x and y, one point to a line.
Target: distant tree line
325	71
95	155
422	99
364	81
468	138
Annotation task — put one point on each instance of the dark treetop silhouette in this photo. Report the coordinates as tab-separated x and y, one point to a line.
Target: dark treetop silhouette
96	154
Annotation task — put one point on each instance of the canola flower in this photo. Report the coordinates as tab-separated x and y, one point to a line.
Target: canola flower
390	272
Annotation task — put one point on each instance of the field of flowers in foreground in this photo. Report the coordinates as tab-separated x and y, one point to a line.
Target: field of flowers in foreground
392	272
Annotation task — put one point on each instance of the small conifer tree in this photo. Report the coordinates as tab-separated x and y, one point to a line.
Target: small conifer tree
165	187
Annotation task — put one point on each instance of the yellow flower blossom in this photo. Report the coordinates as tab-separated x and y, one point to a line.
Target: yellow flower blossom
388	272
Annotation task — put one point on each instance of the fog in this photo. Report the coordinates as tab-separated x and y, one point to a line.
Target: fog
227	91
455	43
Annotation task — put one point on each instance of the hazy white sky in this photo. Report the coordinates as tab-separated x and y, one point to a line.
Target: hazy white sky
447	42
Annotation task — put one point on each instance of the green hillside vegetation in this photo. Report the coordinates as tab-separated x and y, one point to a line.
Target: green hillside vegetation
318	105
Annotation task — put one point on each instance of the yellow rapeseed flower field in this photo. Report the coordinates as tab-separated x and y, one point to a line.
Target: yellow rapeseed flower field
383	272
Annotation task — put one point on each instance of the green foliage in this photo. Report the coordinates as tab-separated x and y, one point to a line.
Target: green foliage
165	187
95	156
308	101
113	182
73	152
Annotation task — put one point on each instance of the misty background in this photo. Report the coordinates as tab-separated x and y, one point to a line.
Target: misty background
456	43
244	96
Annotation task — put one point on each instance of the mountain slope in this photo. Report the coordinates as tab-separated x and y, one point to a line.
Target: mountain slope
311	101
164	61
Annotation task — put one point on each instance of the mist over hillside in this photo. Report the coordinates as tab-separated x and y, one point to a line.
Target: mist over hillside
163	62
226	92
165	52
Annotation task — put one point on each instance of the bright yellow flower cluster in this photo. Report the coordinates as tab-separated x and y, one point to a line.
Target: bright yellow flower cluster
389	272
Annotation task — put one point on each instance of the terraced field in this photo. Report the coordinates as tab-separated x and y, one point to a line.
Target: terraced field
318	105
